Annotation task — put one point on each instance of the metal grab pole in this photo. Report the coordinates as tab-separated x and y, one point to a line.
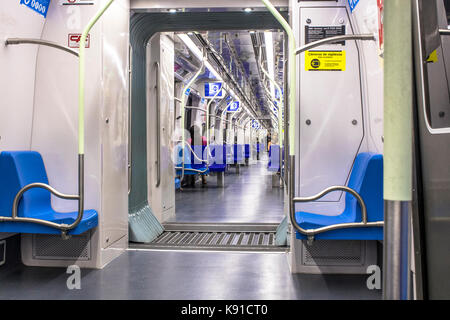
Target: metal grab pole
292	73
279	115
207	117
183	104
397	141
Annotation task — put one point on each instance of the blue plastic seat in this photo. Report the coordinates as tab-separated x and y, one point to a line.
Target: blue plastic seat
219	154
192	166
18	169
367	180
247	151
274	158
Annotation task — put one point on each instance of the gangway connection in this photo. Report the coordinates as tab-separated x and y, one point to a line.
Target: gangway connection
217	237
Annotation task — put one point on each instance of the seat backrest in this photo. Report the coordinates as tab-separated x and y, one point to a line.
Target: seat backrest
274	156
218	153
367	179
18	169
178	155
200	152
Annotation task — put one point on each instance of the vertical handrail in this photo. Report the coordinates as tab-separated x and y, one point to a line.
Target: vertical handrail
81	85
129	117
183	104
279	115
226	111
158	125
80	197
207	118
292	72
291	85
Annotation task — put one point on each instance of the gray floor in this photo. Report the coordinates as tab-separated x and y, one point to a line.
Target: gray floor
185	275
247	197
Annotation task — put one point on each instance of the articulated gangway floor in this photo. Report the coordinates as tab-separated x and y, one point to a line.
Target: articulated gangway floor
216	236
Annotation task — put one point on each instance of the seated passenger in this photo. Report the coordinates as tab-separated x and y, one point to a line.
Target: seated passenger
197	139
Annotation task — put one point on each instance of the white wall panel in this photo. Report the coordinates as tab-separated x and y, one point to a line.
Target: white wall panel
17	75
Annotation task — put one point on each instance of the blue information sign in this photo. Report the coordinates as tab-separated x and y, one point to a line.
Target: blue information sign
234	106
40	6
212	88
255	124
188	91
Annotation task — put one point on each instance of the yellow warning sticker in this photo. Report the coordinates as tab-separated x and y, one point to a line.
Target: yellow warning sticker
433	57
325	60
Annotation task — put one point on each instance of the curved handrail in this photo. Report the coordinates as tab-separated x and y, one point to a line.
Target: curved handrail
280	102
207	115
14	217
191	169
225	110
312	232
334	39
12	41
80	197
183	104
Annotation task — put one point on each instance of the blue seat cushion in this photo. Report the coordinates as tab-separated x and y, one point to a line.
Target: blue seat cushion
366	178
218	163
313	221
274	156
18	169
89	221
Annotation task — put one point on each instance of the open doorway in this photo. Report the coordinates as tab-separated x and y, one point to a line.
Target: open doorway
246	195
242	190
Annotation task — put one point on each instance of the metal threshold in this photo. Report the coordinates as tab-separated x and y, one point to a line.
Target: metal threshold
215	236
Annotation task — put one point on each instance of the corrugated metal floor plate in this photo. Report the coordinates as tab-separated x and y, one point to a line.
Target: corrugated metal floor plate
223	240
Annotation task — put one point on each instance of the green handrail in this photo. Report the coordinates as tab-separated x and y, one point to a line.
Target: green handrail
292	84
81	75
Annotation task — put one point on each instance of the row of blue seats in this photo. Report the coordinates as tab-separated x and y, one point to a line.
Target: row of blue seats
221	155
21	168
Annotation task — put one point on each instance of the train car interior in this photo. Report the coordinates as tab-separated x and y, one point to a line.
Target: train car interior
237	150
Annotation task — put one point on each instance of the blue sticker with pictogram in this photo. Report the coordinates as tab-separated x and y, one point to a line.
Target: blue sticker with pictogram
211	89
234	106
352	4
40	6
